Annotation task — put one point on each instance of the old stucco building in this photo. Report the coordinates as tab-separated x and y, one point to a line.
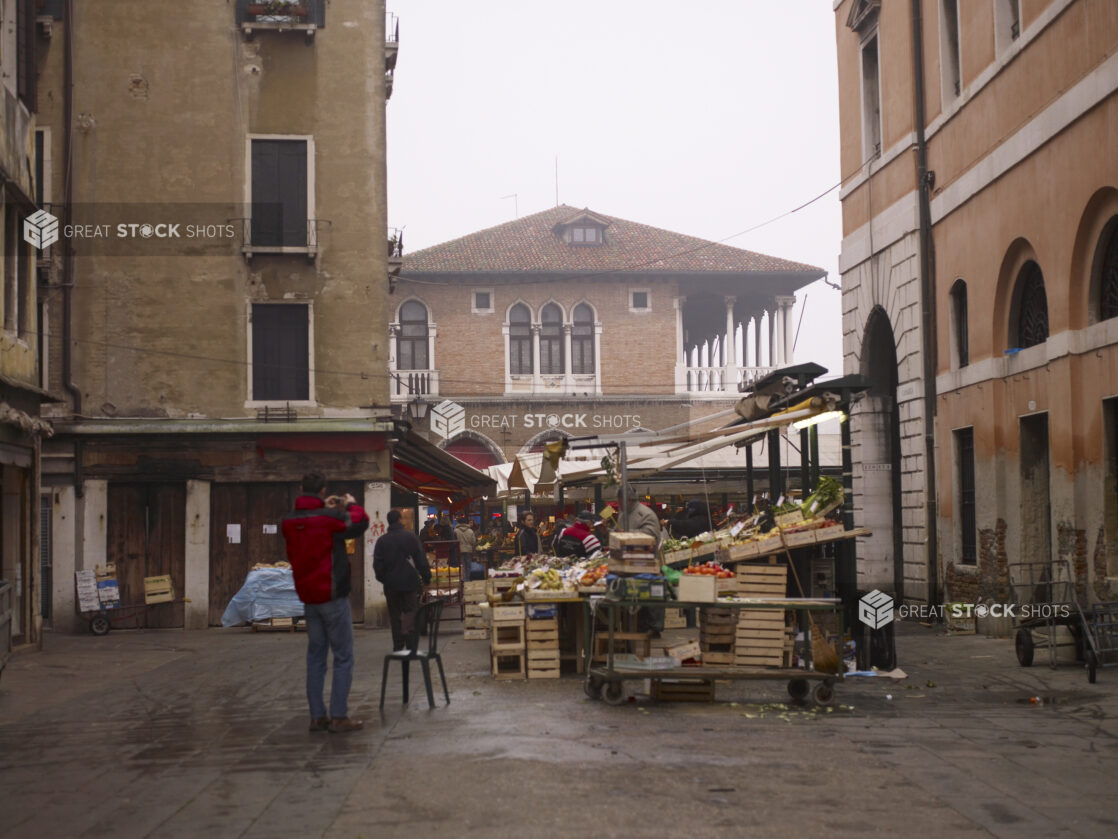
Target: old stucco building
569	322
223	212
980	273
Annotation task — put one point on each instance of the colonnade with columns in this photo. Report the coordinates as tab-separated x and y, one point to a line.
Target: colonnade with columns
748	349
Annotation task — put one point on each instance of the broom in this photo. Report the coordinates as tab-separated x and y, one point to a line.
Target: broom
824	658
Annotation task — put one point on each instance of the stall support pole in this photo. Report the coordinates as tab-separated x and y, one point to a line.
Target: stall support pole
597	498
805	464
813	435
776	488
749	477
846	574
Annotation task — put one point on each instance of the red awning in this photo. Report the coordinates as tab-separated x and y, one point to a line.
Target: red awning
472	452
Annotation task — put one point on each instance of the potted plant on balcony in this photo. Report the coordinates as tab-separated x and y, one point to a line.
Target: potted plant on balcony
278	8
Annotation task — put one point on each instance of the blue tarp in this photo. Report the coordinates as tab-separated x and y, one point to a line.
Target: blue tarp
267	593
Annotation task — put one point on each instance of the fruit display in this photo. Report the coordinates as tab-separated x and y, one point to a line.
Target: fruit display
593	576
710	569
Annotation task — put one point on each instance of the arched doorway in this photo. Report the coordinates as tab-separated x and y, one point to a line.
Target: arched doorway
883	557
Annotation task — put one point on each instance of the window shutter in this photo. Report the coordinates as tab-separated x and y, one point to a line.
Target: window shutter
26	73
279	193
280	352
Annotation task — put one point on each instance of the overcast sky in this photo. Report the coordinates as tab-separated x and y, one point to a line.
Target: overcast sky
706	119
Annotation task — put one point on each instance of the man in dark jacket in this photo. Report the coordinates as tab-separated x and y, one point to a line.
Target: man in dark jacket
695	520
400	564
527	539
316	534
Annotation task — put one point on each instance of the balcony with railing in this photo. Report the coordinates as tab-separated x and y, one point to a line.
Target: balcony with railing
391	49
306	16
259	237
404	385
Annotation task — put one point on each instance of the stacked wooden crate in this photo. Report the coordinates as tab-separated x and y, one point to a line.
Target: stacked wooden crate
763	639
683	690
506	642
476	627
675	619
717	635
632	553
542	639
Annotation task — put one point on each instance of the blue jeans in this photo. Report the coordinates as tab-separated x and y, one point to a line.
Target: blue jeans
329	624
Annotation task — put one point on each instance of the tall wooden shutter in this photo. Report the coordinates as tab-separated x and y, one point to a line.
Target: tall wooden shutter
279	193
280	352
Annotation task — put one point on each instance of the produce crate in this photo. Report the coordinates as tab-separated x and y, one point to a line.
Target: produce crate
769	579
473	610
675	619
507	636
508	665
634	565
476	623
475	591
744	550
620	539
827	534
537	612
798	539
507	613
469	634
631	588
761	638
697	588
718	659
683	690
684	651
682	555
158	589
496	586
550	594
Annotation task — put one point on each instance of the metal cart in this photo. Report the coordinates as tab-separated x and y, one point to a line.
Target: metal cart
1044	601
1102	638
606	682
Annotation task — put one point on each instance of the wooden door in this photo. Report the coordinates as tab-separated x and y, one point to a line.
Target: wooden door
257	511
147	538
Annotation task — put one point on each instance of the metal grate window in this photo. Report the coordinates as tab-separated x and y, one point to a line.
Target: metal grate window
968	522
1032	307
1108	276
46	561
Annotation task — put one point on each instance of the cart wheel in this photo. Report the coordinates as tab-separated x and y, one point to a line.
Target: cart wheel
798	689
823	694
613	693
100	625
1024	646
593	687
1092	665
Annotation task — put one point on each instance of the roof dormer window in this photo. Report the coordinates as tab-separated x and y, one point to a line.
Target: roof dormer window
585	235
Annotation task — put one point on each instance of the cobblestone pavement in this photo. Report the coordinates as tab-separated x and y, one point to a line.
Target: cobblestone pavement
171	733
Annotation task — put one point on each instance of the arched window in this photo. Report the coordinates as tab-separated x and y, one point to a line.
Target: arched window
1030	326
959	322
582	340
520	340
551	340
1108	271
412	348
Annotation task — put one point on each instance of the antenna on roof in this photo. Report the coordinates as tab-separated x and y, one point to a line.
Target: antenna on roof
515	203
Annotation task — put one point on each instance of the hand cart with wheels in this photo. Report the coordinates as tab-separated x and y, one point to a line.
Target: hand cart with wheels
607	682
1044	603
1102	638
102	617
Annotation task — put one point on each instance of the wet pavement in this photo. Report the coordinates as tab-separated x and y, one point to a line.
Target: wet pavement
170	733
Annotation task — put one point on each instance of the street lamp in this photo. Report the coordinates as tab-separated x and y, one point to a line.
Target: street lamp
417	409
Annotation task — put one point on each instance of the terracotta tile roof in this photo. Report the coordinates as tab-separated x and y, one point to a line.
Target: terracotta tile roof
532	245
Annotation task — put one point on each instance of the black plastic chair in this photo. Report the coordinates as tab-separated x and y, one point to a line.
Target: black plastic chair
426	622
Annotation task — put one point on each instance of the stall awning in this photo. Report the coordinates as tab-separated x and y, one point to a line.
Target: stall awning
422	467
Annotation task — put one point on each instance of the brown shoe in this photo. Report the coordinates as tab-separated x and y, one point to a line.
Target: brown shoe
346	724
320	724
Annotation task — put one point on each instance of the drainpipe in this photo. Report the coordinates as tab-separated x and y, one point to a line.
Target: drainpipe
67	247
928	305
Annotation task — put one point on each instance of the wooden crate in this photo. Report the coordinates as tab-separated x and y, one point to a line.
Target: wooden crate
473	610
711	616
675	619
542	670
765	579
718	659
500	614
508	635
508	665
475	591
799	539
159	590
476	623
496	586
543	657
762	638
683	690
475	634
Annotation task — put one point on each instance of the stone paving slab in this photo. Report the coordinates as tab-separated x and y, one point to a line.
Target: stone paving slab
170	733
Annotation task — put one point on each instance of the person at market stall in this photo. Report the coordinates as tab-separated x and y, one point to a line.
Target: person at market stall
467	548
696	519
639	518
400	565
527	541
578	540
607	518
315	535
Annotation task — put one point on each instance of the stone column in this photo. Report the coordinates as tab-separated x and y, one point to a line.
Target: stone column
757	341
393	332
729	350
568	361
95	529
196	587
64	550
786	328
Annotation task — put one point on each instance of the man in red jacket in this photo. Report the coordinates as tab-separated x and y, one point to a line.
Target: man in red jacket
315	534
